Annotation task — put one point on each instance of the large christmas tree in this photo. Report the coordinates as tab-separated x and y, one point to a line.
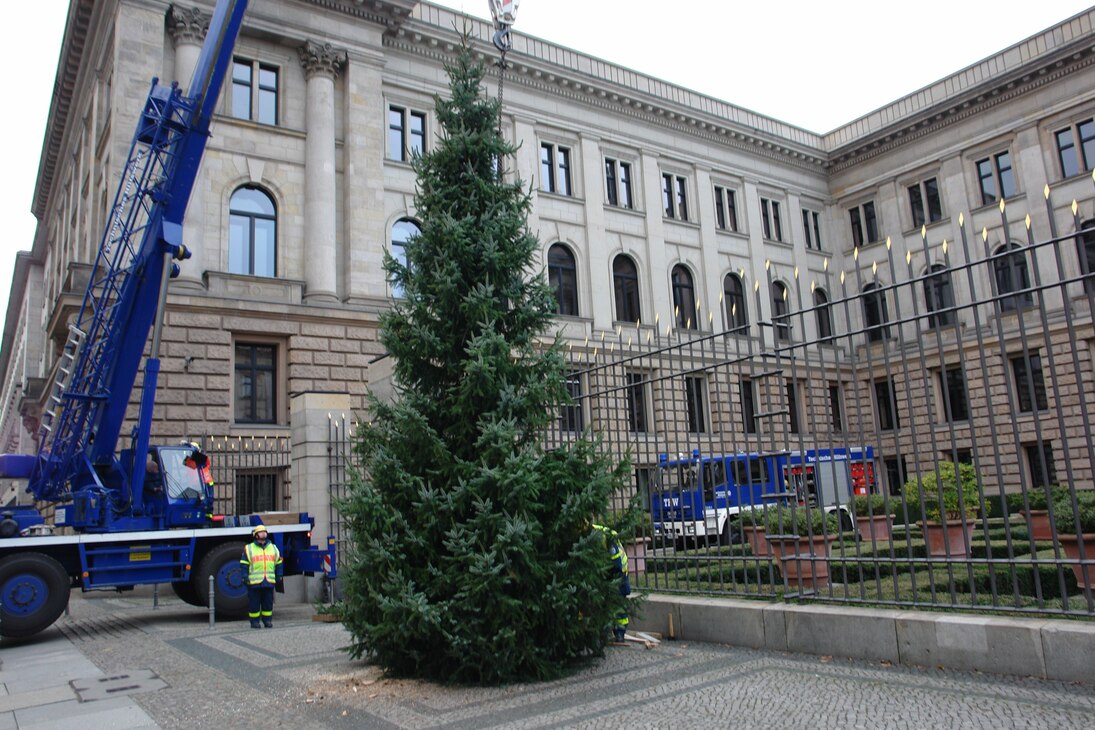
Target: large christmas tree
474	560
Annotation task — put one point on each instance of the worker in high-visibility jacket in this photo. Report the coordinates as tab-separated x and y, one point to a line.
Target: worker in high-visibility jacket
618	559
262	563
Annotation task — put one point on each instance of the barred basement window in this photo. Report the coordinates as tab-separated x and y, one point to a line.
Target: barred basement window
256	492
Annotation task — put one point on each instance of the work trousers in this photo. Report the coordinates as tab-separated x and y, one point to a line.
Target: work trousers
260	603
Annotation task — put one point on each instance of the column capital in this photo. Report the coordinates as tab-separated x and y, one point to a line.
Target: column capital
321	58
187	25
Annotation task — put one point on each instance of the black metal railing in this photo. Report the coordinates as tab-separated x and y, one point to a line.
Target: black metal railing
250	473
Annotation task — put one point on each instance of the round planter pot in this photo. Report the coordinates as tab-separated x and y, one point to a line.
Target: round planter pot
1038	525
757	542
948	539
803	559
878	528
1071	545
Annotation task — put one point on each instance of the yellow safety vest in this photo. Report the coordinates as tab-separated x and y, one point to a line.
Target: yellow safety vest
615	550
261	562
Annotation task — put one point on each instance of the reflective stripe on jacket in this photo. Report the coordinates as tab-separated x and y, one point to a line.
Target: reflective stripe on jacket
615	550
261	562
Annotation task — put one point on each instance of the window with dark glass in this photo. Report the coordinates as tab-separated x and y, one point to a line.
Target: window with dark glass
618	183
811	229
939	296
254	91
1076	148
1085	245
781	317
406	133
897	473
572	417
255	383
555	168
625	284
771	222
256	491
638	419
748	406
864	224
952	383
402	231
563	278
875	314
836	408
695	394
885	403
1030	386
1012	278
726	209
674	196
684	298
995	177
925	203
824	314
1043	471
792	407
252	233
737	316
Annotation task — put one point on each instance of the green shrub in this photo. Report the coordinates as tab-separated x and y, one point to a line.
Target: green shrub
954	480
1066	519
871	505
798	520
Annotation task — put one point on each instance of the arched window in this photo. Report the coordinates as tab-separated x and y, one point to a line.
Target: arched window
252	233
402	231
939	296
563	278
1010	267
781	313
733	291
625	284
875	314
684	298
824	314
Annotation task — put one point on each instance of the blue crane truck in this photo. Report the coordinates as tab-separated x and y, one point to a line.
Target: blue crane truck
139	514
695	496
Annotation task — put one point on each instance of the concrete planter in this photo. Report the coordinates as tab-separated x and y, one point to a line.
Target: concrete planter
950	538
797	559
757	542
878	528
1071	545
1038	524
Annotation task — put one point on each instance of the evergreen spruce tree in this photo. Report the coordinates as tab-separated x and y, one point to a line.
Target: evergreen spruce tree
473	557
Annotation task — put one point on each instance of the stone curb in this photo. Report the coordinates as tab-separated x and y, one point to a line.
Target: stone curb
1054	649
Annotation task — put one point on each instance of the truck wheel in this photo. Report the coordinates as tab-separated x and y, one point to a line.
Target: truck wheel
33	593
229	580
185	590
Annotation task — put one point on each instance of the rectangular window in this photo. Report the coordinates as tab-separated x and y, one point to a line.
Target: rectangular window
257	102
674	196
726	209
748	406
1030	387
1043	472
406	133
555	169
695	394
638	419
885	401
836	407
572	418
792	407
1076	148
255	383
896	474
811	229
618	183
952	383
256	492
995	177
925	203
769	215
864	224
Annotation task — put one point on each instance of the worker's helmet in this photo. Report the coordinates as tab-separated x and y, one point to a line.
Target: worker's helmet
257	529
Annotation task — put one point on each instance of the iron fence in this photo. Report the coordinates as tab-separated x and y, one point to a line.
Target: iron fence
951	358
340	465
250	473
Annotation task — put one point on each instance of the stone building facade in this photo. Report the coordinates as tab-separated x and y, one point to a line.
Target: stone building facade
645	195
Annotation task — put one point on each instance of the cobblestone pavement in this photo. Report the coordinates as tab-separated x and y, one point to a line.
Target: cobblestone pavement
296	676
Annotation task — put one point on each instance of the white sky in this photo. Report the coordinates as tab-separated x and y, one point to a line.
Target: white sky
817	65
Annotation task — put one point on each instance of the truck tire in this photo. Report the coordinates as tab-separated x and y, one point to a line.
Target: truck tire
33	593
229	580
186	591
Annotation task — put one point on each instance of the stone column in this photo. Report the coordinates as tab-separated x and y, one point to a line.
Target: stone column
187	27
321	65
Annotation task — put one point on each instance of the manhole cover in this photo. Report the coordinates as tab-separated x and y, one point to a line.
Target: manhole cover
130	683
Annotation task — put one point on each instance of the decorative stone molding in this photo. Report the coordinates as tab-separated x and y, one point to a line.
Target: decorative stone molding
321	59
187	25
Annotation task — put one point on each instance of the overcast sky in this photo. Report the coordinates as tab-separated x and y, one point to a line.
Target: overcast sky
813	64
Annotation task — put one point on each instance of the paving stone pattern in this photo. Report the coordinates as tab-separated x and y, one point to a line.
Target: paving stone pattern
296	676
